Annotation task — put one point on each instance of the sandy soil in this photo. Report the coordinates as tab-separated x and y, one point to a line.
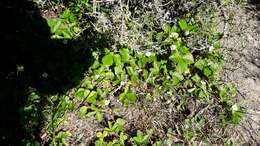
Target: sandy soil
241	47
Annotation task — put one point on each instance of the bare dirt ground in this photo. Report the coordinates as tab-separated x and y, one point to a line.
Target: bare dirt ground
241	47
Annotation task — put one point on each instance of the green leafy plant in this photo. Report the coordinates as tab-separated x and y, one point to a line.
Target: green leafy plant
141	138
65	27
60	139
85	111
127	96
166	69
233	113
116	129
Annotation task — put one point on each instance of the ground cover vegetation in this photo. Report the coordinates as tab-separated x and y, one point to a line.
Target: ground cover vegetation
151	76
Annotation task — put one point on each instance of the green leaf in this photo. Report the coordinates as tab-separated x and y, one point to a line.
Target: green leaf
191	90
117	59
236	117
88	83
67	34
176	77
118	70
109	75
159	36
175	57
175	29
81	93
117	127
130	70
196	78
66	13
121	122
145	74
145	139
122	138
226	92
151	56
138	140
108	60
200	64
54	24
83	111
207	71
202	94
192	28
182	66
188	58
167	28
95	65
90	114
99	135
99	116
132	73
141	139
131	97
92	97
69	16
125	54
183	24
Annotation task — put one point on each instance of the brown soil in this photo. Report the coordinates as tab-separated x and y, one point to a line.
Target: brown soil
83	130
241	47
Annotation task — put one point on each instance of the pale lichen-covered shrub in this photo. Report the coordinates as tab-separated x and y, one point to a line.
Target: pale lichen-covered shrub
134	23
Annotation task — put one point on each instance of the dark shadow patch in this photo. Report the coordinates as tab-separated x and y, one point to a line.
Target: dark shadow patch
254	5
30	59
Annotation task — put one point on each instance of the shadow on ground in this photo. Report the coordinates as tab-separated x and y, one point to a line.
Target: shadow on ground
30	59
255	6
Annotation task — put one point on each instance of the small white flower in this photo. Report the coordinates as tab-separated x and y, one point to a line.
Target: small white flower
174	35
148	54
20	68
97	76
107	102
173	47
235	107
139	53
203	82
211	48
44	75
186	33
